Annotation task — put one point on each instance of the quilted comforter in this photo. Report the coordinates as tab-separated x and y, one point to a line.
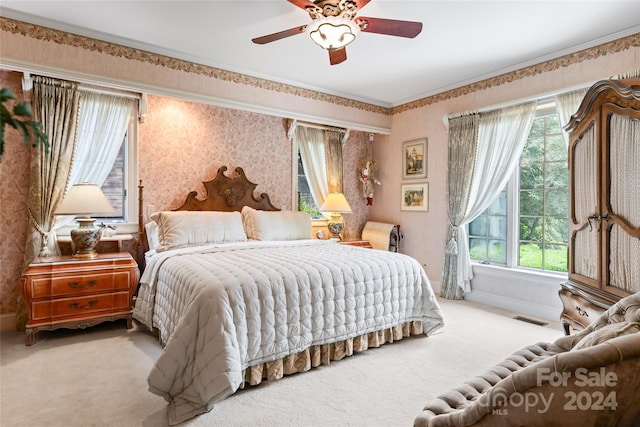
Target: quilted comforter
220	309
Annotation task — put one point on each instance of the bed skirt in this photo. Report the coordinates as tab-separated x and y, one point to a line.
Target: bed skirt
324	354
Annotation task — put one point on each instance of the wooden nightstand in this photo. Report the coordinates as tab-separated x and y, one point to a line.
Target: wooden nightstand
356	242
64	292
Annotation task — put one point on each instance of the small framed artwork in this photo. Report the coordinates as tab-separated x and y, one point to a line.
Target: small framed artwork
414	159
415	197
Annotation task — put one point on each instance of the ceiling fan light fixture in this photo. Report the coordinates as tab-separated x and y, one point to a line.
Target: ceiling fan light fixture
332	32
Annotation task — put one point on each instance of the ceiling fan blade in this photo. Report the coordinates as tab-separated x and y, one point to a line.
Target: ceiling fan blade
280	35
337	56
362	3
390	27
305	5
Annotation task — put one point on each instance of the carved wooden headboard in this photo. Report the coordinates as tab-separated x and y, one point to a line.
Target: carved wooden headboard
228	194
224	193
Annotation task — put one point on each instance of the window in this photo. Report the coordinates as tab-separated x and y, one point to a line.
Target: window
115	186
527	225
488	232
305	199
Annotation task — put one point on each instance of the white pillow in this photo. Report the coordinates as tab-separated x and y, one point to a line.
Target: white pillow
151	229
276	225
190	228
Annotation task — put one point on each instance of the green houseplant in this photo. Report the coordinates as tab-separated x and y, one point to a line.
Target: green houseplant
19	119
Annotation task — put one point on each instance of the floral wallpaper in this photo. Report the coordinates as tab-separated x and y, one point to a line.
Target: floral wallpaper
14	184
183	143
180	145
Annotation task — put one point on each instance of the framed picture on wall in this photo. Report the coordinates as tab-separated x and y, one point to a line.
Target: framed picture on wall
414	159
415	197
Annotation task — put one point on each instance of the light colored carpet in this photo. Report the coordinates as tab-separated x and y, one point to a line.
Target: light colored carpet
97	377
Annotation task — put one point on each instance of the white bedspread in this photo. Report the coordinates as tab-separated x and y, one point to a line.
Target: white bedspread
220	309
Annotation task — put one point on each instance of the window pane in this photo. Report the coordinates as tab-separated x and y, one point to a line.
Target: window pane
555	257
556	175
537	127
531	202
499	205
477	248
114	187
305	199
556	203
531	228
556	230
531	176
497	251
478	227
530	255
555	149
552	124
498	227
533	151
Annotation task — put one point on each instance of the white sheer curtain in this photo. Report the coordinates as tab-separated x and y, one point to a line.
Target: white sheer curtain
102	125
501	137
311	144
566	105
104	120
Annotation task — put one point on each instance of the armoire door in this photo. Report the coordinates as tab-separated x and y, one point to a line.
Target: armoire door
621	206
584	170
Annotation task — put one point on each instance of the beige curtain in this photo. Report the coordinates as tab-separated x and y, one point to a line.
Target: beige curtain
333	152
463	144
55	105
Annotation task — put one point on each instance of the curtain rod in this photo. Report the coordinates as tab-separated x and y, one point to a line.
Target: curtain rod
319	126
27	85
544	97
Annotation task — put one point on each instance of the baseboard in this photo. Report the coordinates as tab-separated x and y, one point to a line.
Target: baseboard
515	305
8	322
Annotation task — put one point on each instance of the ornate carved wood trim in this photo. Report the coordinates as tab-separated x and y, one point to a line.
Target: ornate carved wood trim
228	194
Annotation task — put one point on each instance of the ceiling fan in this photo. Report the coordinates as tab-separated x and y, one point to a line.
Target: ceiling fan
334	25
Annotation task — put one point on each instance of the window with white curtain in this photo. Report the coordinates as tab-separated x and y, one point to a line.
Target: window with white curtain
115	186
105	150
527	224
305	198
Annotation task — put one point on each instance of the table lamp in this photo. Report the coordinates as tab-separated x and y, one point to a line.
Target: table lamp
336	204
85	199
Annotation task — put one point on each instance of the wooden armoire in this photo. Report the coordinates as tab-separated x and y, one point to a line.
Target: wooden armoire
604	194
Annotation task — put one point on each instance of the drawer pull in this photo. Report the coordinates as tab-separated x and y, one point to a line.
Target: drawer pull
77	285
582	312
79	307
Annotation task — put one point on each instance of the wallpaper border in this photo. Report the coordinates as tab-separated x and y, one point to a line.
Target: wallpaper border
61	37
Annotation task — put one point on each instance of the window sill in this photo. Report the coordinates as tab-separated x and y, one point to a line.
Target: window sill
519	274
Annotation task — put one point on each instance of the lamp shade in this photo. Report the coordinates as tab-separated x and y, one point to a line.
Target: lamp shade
336	202
84	199
332	32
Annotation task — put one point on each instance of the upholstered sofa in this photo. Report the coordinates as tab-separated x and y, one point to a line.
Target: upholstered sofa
591	378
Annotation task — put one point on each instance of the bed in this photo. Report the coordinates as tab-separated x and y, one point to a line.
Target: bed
238	292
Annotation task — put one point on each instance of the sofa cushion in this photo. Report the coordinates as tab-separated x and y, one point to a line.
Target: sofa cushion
606	333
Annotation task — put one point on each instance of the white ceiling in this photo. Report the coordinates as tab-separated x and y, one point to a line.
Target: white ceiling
461	41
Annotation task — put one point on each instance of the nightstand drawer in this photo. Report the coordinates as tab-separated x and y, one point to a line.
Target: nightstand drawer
67	307
79	284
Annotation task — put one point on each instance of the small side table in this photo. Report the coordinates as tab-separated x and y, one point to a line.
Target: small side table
356	242
65	292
